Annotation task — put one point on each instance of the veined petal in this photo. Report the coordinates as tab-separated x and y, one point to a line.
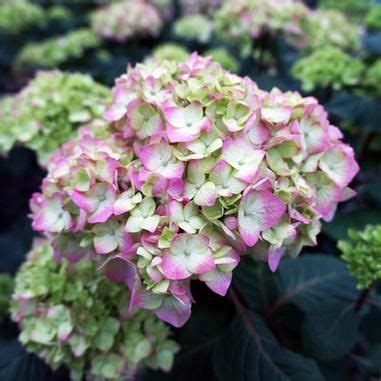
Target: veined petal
200	263
274	257
103	212
115	112
153	156
105	244
174	312
134	224
126	201
339	164
217	281
174	266
83	201
258	211
276	114
150	223
242	156
52	217
206	195
193	113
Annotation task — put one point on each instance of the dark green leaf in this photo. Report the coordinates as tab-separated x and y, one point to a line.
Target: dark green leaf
372	42
252	283
312	280
370	118
373	360
249	351
197	340
371	189
338	228
330	330
18	365
347	106
371	323
337	371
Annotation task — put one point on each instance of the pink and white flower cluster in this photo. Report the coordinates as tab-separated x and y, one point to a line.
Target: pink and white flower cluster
196	167
130	18
243	21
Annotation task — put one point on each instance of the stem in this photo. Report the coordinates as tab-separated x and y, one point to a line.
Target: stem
239	304
131	374
365	147
362	299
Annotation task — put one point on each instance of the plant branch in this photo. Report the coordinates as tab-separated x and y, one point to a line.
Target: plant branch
365	147
237	300
362	299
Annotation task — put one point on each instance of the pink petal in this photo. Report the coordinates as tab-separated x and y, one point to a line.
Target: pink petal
258	211
220	282
174	266
102	214
174	312
277	114
199	264
249	235
83	201
105	244
274	257
339	164
182	135
115	112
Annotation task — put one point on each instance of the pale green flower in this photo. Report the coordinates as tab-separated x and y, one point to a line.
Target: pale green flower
56	50
47	112
76	317
328	67
362	252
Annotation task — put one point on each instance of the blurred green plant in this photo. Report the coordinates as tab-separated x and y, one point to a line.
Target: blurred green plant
55	51
373	18
18	15
372	79
6	287
194	27
78	318
328	67
47	112
205	7
223	56
125	20
324	28
170	51
58	12
242	22
355	10
362	252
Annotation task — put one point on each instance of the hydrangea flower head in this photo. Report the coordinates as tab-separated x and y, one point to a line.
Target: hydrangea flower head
324	28
196	167
243	21
191	7
340	69
47	112
76	317
373	17
18	15
355	10
169	51
45	54
194	27
122	20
